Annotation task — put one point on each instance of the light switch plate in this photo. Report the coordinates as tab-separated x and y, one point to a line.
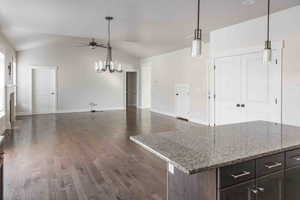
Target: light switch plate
171	168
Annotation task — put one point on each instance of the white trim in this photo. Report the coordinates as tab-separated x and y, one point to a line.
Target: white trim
70	111
198	121
163	113
31	68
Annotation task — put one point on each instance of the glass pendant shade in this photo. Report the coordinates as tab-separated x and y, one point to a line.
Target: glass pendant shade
119	68
196	48
267	54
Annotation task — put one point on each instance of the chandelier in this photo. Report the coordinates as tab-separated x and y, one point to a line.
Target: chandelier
109	64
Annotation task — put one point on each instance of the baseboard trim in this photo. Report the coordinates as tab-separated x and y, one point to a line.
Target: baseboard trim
198	121
163	113
69	111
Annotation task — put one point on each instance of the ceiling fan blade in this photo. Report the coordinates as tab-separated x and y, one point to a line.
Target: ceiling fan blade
81	45
101	45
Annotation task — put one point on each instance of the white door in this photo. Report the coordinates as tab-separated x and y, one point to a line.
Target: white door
43	90
182	95
247	90
261	88
228	90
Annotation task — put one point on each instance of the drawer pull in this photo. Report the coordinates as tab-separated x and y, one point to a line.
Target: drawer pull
297	158
257	190
274	165
245	173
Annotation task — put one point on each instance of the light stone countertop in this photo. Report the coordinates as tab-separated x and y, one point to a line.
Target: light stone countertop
201	148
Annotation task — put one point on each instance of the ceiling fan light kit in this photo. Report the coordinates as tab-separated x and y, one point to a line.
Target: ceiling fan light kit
197	42
108	64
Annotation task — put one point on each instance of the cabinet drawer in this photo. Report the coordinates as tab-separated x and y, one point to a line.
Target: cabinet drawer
238	173
292	158
269	164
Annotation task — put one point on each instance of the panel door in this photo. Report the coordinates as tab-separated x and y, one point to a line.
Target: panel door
239	192
43	91
261	89
228	90
270	187
292	184
182	98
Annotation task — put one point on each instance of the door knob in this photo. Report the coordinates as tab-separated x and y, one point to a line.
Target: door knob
243	105
52	93
177	94
238	105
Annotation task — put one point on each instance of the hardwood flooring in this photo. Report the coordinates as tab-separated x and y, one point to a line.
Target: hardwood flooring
85	156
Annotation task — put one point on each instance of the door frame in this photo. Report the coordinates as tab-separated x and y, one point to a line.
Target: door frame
137	87
277	45
33	67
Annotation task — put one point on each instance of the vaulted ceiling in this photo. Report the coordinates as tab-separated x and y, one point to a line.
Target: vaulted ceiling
141	27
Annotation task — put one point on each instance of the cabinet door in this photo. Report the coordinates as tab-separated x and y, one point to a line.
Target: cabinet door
292	184
239	192
270	187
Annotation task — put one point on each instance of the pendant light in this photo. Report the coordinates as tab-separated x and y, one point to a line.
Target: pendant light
108	64
196	45
267	55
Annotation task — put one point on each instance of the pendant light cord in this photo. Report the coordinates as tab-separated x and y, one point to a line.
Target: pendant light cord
268	26
198	19
109	32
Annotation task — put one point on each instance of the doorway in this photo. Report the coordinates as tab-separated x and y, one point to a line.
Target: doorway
131	89
43	90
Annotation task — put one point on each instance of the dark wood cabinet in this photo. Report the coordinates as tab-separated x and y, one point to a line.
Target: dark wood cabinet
239	192
270	187
292	184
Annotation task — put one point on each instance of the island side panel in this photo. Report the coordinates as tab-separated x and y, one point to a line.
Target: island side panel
200	186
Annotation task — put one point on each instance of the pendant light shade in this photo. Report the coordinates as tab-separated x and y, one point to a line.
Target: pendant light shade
267	54
197	42
196	48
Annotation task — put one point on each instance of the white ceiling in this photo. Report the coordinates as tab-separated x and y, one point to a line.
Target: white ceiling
141	27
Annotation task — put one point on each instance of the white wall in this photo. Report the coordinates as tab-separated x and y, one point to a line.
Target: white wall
145	82
285	25
78	84
179	67
10	55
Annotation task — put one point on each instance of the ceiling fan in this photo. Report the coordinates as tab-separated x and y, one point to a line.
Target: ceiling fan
93	44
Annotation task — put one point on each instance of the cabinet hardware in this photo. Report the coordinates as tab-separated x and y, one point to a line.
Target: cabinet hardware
273	165
255	191
238	105
243	105
297	158
260	189
245	173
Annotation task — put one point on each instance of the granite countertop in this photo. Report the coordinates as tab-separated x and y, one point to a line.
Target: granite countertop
201	148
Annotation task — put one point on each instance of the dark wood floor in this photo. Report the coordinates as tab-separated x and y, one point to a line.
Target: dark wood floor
85	156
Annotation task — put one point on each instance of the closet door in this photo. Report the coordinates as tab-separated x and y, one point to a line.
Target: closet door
182	94
228	90
261	88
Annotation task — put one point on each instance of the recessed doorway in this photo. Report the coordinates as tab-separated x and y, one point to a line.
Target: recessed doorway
131	89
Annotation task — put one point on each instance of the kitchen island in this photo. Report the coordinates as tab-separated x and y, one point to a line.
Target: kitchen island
254	160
